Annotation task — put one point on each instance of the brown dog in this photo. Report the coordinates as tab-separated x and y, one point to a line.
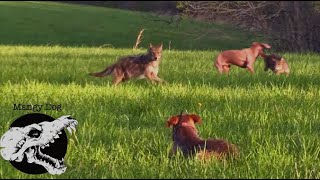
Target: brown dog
139	66
275	63
243	58
185	137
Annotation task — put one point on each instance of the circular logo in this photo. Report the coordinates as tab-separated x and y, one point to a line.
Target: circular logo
37	143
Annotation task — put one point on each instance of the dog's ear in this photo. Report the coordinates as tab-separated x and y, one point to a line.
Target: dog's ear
267	46
196	118
254	44
172	121
264	45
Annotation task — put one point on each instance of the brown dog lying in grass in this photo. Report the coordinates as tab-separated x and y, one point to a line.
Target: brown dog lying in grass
243	58
185	137
275	63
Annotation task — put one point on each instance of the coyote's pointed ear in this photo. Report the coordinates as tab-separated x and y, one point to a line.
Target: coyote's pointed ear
161	45
196	118
172	121
150	45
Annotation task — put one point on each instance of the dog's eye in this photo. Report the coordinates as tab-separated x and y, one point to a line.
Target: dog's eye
34	133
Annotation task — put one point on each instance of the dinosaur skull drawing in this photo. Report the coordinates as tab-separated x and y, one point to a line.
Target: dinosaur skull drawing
20	142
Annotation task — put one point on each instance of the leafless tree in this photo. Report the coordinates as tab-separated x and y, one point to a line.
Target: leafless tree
291	26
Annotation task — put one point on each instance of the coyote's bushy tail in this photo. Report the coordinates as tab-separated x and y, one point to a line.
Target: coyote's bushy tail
103	73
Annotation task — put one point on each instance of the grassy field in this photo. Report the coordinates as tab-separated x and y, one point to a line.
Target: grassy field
42	23
274	120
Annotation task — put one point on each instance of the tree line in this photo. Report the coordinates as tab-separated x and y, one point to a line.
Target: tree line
288	25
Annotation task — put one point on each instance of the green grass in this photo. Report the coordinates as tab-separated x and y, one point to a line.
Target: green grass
274	120
41	23
121	134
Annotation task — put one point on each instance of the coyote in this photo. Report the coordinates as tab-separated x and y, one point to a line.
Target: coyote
275	63
138	66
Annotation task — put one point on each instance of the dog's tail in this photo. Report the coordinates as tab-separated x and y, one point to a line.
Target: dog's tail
103	73
234	151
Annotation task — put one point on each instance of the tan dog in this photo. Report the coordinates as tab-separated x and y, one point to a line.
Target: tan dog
275	63
243	58
185	137
139	66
